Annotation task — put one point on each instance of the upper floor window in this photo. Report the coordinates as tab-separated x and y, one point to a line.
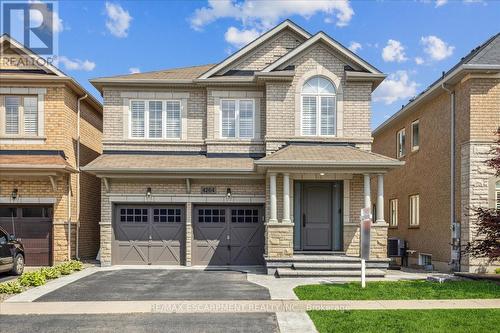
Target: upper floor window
237	118
401	143
154	119
21	115
415	135
319	107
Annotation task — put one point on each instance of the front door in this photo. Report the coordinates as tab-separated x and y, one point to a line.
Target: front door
317	200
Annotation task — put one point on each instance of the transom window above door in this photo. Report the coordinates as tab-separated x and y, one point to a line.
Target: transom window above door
319	107
155	119
237	118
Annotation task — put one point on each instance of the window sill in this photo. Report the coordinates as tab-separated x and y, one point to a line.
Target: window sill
22	140
414	227
393	227
235	141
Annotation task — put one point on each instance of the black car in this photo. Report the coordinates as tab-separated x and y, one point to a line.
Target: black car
11	254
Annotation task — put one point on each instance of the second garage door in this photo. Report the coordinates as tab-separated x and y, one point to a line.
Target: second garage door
148	235
228	235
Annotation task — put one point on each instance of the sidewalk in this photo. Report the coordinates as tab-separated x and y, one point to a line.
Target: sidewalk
251	306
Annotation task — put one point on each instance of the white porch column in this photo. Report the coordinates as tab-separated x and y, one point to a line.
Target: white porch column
286	198
367	191
380	199
272	199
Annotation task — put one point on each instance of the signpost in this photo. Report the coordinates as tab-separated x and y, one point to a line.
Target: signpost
364	251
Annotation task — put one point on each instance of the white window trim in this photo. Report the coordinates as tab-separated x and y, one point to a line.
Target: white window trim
21	117
393	223
146	119
410	210
403	153
420	255
236	118
413	146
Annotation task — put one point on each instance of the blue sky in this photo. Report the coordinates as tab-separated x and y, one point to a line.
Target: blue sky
411	41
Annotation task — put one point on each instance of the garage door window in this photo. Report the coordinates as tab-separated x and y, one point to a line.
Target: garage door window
167	215
8	212
245	216
212	215
133	215
37	212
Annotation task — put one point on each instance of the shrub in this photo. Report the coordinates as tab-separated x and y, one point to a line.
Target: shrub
50	273
76	265
64	268
34	279
497	270
11	287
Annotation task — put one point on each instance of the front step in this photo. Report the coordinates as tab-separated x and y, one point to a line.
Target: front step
289	273
336	266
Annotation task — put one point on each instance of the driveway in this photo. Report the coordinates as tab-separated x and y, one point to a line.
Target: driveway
200	322
150	284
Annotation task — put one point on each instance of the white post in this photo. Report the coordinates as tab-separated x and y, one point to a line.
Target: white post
363	273
286	198
272	190
380	199
367	191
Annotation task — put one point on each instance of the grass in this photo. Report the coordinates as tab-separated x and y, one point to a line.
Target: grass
397	290
415	321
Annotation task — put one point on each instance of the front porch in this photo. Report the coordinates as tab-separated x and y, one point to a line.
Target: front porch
314	198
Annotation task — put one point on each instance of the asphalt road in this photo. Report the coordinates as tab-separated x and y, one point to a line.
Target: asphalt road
138	323
137	285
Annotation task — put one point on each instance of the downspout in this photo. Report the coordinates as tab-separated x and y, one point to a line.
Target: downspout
455	233
69	217
78	174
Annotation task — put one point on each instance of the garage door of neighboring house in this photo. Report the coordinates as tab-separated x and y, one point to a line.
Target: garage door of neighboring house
228	235
32	225
148	235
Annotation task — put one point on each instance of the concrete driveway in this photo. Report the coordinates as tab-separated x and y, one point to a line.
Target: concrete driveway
200	322
150	284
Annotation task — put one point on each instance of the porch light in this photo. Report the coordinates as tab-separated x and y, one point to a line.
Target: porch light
322	174
13	195
148	192
228	192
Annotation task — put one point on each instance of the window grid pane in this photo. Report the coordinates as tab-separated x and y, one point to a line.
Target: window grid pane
11	115
212	215
246	119
133	215
167	215
30	115
155	119
138	122
173	122
228	108
327	115
309	115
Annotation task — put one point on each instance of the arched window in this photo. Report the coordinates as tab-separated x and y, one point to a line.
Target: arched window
319	107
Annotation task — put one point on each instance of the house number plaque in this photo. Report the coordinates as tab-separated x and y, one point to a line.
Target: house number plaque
208	190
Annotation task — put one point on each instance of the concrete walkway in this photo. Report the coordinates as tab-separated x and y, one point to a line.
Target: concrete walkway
250	306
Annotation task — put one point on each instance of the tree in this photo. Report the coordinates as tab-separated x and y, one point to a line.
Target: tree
487	244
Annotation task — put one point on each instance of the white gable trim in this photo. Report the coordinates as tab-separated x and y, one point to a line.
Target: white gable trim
321	36
31	54
254	44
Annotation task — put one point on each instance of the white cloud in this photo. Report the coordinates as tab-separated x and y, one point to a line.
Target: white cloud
239	38
118	20
396	87
39	10
394	51
419	60
134	70
440	3
355	46
436	48
76	64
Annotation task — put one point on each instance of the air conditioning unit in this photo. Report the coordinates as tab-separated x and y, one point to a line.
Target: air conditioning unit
396	247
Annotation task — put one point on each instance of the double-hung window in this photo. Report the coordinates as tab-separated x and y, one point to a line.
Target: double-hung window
21	115
319	107
414	210
393	210
401	143
155	119
237	118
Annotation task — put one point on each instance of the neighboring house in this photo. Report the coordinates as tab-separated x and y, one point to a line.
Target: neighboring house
49	126
246	162
444	135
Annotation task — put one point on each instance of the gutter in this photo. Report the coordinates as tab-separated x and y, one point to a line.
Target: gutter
77	254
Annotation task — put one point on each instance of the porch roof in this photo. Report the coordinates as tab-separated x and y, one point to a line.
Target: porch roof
34	163
327	155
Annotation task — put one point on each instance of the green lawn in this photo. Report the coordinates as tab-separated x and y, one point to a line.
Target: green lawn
414	321
400	290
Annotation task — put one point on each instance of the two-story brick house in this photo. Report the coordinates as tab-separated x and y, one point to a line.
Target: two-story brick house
445	135
49	127
262	158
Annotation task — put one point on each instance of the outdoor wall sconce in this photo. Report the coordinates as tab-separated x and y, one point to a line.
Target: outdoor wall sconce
322	174
148	192
228	192
13	195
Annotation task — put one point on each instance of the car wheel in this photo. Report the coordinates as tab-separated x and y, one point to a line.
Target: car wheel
18	264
